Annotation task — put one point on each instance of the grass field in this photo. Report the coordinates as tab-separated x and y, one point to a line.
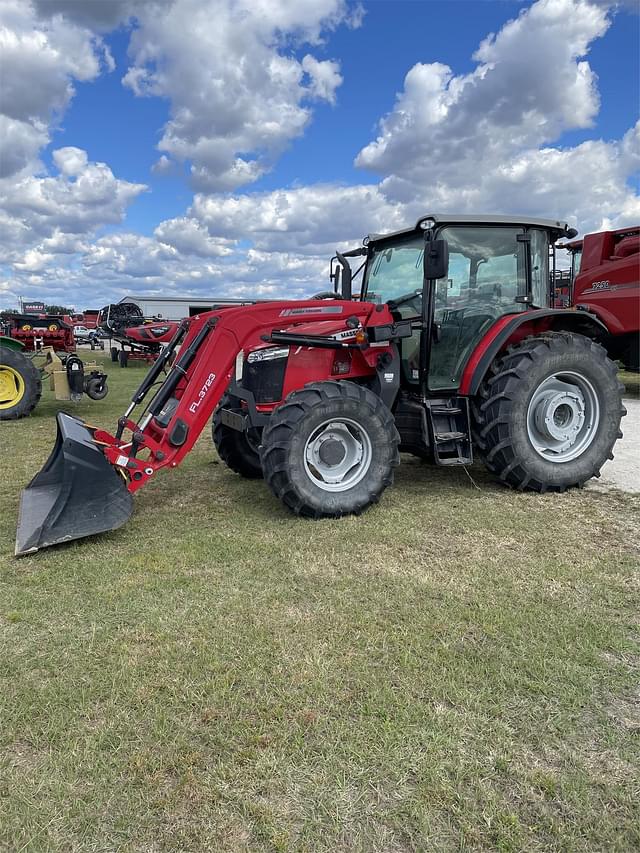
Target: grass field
456	670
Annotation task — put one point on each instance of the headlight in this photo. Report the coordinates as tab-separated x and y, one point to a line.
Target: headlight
267	354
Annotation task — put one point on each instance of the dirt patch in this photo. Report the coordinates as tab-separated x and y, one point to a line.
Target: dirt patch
21	755
626	711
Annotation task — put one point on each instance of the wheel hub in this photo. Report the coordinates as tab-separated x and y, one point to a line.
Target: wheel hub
332	451
563	416
559	415
11	387
337	455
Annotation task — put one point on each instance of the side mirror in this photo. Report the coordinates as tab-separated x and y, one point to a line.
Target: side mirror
436	259
336	281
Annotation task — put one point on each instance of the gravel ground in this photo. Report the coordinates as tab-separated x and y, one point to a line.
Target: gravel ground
623	472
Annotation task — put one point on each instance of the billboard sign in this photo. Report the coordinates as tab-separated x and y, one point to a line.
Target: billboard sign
33	308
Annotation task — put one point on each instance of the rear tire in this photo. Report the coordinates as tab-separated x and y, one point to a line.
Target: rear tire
330	450
114	354
234	448
123	358
20	385
548	414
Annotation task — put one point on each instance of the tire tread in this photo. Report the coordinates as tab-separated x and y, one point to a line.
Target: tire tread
288	417
492	411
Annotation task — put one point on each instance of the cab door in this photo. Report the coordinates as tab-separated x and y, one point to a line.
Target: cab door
487	279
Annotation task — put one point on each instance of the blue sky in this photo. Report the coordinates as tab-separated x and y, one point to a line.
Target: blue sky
217	231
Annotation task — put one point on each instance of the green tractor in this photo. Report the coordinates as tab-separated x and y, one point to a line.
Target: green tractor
21	375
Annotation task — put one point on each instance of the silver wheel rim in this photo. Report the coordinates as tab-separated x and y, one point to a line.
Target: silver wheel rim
563	416
337	455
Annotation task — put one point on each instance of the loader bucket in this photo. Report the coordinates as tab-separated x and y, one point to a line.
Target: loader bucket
76	494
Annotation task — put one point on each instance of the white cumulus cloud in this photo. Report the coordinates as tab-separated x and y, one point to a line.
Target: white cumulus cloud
238	95
311	220
40	61
190	237
489	140
83	197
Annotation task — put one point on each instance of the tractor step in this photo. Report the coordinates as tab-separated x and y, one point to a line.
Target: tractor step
442	437
450	428
233	420
445	410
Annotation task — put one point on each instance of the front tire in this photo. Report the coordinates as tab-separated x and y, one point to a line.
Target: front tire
330	450
234	448
548	415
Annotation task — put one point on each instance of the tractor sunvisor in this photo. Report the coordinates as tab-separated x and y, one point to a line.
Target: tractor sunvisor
76	494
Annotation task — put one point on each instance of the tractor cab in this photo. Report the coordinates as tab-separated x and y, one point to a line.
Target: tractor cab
496	267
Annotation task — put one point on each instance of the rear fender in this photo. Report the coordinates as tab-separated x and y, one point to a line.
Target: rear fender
513	328
11	343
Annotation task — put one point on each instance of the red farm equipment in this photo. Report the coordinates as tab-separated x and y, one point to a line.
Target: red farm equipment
140	339
87	318
451	350
36	331
604	280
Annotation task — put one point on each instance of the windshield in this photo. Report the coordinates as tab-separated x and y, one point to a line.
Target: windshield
575	263
486	264
395	271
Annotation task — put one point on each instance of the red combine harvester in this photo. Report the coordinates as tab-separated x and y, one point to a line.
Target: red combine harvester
452	350
140	339
604	279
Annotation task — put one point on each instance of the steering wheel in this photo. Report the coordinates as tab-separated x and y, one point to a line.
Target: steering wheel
406	297
325	294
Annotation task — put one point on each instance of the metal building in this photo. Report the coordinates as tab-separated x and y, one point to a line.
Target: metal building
177	307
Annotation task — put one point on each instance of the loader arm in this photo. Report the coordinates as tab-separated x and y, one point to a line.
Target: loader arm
182	405
88	464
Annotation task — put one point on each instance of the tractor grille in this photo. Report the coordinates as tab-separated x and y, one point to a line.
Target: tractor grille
265	379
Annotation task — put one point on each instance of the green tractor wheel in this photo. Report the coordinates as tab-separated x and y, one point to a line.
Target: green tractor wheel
20	384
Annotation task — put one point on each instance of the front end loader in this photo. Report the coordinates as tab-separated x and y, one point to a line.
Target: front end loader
451	352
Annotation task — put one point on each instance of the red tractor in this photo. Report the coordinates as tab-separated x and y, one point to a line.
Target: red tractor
451	350
605	280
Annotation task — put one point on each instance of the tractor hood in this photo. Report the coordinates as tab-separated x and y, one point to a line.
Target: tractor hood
326	328
320	327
